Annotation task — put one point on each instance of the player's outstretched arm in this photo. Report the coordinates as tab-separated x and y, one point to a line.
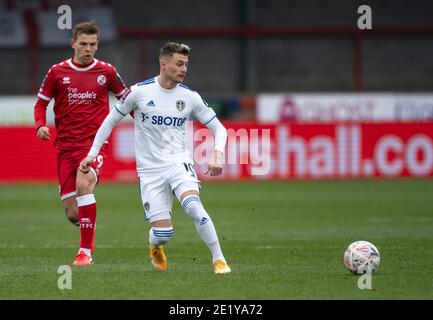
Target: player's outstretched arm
102	135
216	163
207	116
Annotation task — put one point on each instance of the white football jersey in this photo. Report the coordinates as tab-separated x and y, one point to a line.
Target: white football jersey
161	117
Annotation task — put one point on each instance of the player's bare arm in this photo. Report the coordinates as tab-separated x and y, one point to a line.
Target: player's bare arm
43	133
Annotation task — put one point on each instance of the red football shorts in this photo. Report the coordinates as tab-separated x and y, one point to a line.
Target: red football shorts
68	162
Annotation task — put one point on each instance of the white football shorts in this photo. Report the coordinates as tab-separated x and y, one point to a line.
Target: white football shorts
157	188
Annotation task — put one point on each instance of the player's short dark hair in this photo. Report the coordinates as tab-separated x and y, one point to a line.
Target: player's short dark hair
169	48
87	27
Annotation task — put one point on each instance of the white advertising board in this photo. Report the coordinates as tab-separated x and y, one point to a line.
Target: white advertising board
343	107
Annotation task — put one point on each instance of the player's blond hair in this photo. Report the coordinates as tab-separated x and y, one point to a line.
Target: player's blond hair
86	27
170	48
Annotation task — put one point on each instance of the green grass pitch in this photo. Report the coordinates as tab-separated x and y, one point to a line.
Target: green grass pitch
282	240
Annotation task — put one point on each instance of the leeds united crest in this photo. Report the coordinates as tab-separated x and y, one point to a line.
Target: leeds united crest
180	105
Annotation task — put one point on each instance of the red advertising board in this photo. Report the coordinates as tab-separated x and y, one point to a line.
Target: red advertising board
254	152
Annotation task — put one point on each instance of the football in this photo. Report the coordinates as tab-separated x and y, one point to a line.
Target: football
361	257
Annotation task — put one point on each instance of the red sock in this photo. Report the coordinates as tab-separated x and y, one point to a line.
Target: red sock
87	218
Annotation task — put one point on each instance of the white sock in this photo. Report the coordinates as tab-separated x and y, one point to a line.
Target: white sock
204	225
160	235
86	251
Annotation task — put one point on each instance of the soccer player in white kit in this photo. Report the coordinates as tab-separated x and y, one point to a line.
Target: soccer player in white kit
161	107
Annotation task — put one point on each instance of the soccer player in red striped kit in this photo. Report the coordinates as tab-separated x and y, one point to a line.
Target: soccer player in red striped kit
80	88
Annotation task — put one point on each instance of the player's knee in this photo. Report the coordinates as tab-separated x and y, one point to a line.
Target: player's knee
85	184
83	187
194	208
161	234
